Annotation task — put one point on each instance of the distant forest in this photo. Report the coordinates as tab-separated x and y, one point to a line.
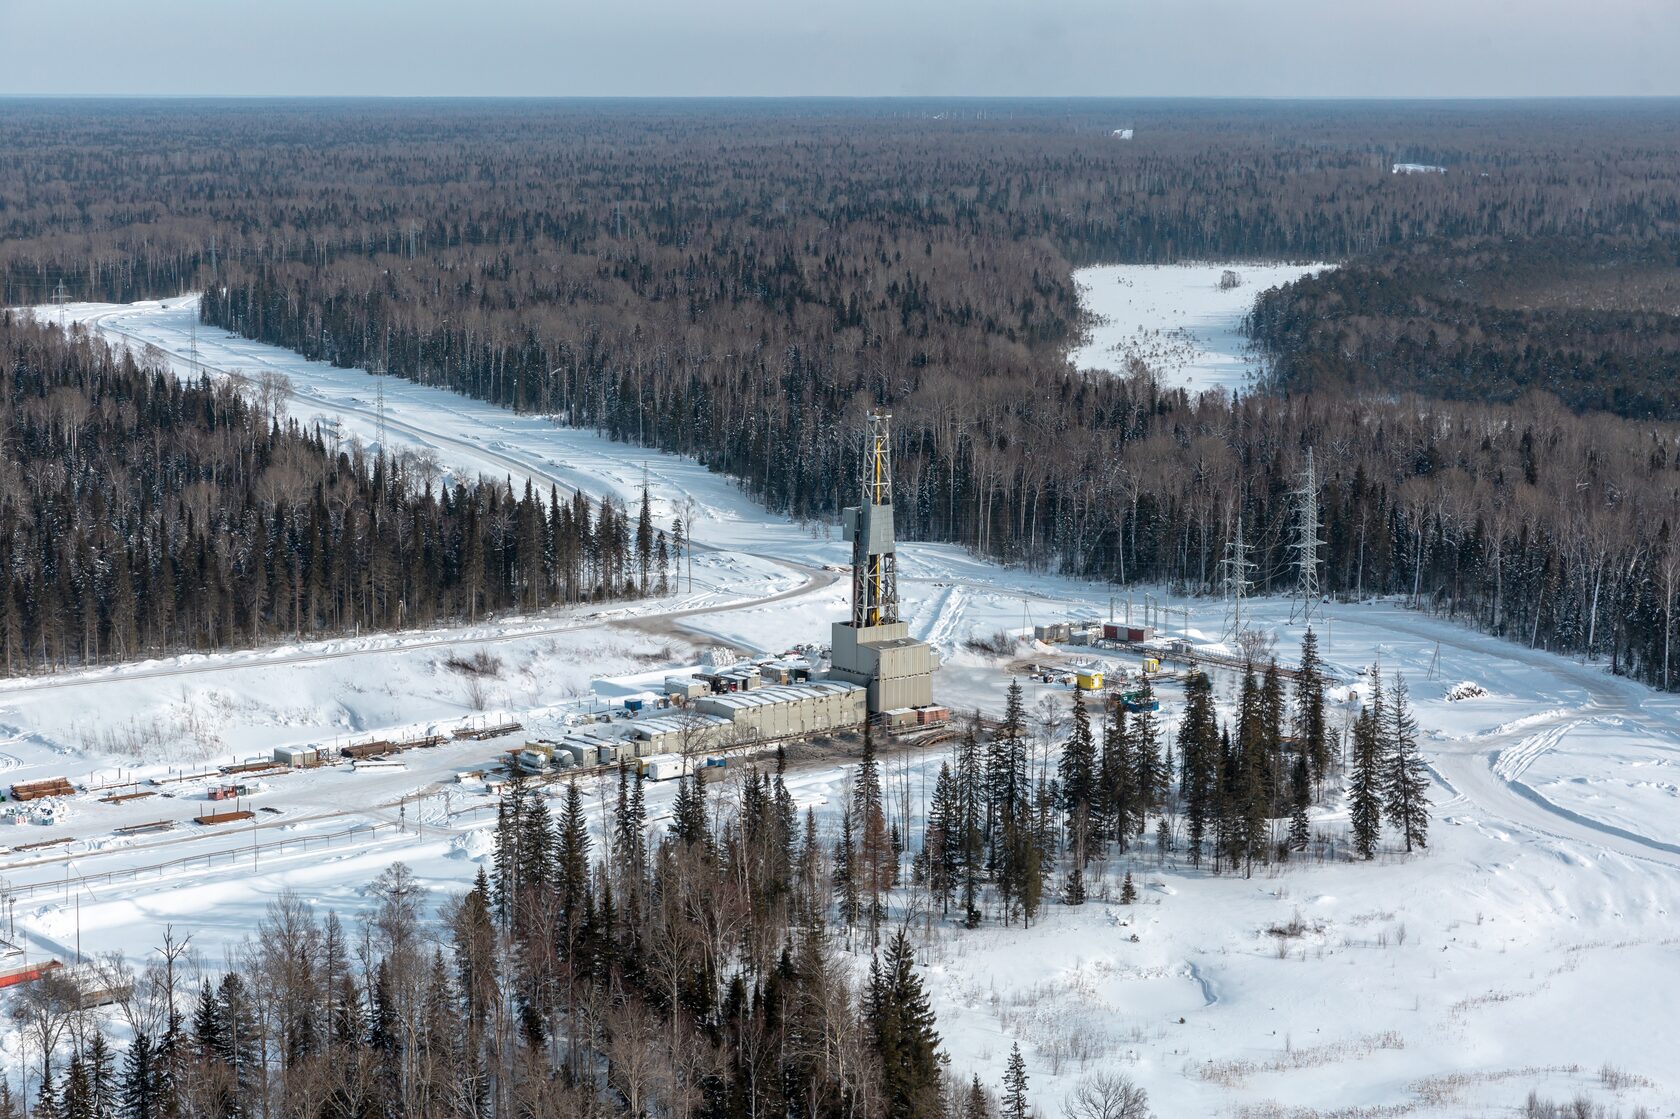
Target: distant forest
739	283
1593	321
139	515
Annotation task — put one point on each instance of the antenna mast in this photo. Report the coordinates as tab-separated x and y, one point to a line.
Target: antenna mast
1307	544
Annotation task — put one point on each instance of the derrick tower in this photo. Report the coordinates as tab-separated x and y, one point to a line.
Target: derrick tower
874	648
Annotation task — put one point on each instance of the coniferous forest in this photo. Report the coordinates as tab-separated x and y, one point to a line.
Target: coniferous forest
736	960
142	514
740	283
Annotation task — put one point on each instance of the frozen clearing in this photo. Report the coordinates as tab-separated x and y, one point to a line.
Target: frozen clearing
1176	319
1535	942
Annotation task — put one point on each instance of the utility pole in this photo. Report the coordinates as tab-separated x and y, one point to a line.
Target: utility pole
1306	544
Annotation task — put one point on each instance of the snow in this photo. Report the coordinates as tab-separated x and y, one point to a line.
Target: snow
1176	319
1419	169
1533	943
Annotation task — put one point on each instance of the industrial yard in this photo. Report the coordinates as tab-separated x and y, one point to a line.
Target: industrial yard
1545	768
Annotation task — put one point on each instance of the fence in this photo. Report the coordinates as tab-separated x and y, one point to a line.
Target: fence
206	860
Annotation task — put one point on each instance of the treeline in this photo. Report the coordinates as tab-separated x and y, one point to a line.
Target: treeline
143	515
1593	322
710	969
739	285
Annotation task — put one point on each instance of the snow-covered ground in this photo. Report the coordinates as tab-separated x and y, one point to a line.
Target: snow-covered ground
1176	319
1534	943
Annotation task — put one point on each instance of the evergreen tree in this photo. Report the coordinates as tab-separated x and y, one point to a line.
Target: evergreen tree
572	858
1116	780
974	1105
1077	775
102	1085
1365	785
1310	732
1128	890
1015	1105
46	1097
1198	744
1405	783
902	1022
1300	799
941	859
139	1080
1145	749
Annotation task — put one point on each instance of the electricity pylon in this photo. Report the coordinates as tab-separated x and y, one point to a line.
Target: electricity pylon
1306	545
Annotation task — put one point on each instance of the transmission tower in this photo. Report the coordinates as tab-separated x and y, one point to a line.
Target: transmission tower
1237	567
1307	544
379	406
60	297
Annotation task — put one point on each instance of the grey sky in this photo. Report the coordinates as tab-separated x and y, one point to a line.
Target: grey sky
1278	48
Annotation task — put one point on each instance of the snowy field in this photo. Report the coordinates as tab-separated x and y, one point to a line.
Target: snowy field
1535	942
1176	319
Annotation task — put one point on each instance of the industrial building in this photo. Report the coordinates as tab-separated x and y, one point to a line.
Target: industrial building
873	648
777	711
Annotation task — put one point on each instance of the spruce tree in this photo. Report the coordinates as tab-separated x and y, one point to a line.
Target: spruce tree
974	1104
1405	783
1112	811
137	1091
1128	890
1015	1105
902	1024
1145	749
1365	785
1300	799
1310	732
46	1097
1198	744
1077	774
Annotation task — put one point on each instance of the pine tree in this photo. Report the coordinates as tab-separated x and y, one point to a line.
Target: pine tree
1015	1105
974	1104
1364	788
1128	890
1405	784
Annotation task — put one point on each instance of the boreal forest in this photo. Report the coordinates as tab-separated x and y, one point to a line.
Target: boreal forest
1495	437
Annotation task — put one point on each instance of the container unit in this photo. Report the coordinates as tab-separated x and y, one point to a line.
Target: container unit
297	756
685	687
536	757
933	716
1139	633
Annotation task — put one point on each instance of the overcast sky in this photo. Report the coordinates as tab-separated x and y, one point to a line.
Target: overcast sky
1273	48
